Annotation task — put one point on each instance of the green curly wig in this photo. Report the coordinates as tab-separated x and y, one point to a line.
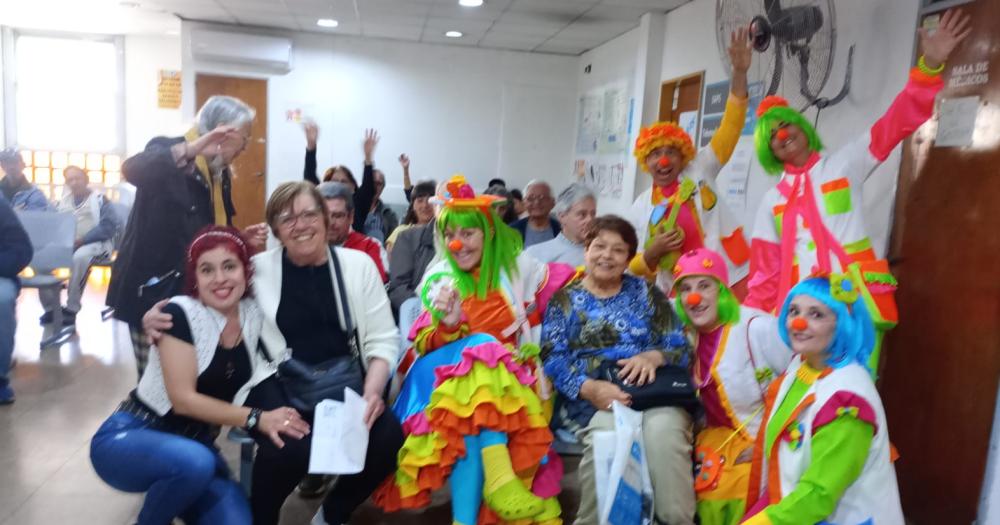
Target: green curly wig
501	246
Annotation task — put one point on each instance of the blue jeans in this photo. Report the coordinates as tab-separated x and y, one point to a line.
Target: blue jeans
180	476
8	302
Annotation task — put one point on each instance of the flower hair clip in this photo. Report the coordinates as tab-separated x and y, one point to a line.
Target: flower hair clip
842	288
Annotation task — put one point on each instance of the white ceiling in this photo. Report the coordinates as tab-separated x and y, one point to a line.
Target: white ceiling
567	27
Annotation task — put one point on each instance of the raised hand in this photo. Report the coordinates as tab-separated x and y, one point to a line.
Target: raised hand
214	138
404	161
740	52
371	140
312	134
938	44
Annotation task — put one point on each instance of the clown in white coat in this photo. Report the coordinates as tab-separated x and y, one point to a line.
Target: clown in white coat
682	211
738	354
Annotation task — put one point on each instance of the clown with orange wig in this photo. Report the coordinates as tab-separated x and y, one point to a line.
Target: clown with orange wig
818	200
738	354
681	211
473	404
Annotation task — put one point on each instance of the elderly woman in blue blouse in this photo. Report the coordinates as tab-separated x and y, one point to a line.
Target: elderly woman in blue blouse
608	315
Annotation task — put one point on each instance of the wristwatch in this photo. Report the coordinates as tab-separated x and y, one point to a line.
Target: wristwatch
253	419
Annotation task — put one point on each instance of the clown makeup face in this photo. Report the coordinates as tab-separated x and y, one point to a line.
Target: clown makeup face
811	325
790	145
665	164
465	245
700	298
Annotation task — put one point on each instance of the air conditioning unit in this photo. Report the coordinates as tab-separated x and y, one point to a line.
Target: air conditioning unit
270	52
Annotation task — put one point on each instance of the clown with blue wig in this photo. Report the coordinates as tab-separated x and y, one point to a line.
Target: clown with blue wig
823	453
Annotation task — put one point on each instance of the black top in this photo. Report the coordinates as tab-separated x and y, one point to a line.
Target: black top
308	313
226	373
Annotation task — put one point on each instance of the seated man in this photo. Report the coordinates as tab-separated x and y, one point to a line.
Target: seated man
340	205
15	187
411	254
95	226
576	208
539	226
15	254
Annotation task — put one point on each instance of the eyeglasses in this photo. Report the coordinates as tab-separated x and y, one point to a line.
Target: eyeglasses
308	217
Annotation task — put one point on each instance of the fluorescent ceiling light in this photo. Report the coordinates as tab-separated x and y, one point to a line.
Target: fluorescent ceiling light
453	34
470	3
327	22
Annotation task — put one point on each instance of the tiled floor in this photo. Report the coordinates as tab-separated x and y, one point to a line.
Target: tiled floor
65	393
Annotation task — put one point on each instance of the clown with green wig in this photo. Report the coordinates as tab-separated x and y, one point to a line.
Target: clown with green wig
682	211
738	353
816	206
474	404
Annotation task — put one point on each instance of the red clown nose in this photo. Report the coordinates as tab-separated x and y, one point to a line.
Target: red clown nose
663	162
694	299
799	324
782	134
455	245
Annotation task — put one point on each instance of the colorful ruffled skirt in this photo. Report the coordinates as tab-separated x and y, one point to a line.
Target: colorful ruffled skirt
457	390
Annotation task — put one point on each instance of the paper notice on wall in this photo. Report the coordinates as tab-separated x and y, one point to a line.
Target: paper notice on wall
605	174
168	89
734	176
339	436
957	121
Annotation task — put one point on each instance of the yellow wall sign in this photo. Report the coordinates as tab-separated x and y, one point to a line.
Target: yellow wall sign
168	92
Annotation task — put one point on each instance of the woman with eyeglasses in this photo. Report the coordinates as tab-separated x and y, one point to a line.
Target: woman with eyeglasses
297	291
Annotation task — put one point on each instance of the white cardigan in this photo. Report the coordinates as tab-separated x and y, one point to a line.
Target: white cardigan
206	328
366	297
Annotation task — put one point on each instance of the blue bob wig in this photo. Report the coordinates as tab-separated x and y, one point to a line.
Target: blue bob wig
854	338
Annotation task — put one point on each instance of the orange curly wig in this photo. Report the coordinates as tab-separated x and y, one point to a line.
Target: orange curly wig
659	135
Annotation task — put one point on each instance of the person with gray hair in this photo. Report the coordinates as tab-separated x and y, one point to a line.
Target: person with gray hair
575	207
182	185
538	226
339	200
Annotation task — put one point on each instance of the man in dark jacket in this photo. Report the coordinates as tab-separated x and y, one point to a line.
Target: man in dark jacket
381	220
538	226
15	254
411	254
182	185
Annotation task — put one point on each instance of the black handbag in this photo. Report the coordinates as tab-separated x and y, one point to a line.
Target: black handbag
672	387
158	288
306	385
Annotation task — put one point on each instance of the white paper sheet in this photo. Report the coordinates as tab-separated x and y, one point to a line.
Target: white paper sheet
339	436
957	121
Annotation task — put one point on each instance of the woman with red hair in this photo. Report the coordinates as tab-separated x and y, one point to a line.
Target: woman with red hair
681	212
161	439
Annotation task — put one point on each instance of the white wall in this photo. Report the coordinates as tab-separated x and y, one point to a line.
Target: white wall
145	56
884	34
481	112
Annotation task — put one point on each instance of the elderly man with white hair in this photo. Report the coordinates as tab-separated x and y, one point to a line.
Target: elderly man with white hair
575	207
182	185
538	226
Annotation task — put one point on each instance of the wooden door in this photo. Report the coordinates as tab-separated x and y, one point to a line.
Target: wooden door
942	363
679	95
249	180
